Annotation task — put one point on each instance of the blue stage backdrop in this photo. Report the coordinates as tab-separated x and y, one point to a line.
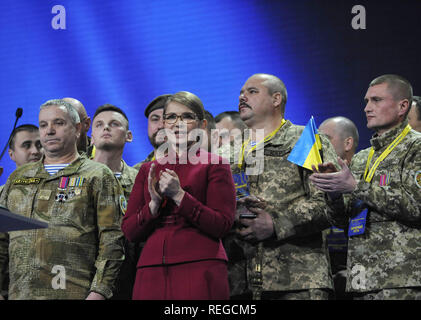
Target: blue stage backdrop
128	52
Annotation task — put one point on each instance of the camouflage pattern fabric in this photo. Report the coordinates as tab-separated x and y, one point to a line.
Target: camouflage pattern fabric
388	254
83	240
127	178
148	159
127	274
296	257
310	294
4	264
391	294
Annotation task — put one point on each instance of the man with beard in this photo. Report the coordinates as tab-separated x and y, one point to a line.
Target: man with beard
154	113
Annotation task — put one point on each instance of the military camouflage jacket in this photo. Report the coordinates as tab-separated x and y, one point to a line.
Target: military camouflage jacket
296	257
127	178
150	157
81	250
127	274
388	253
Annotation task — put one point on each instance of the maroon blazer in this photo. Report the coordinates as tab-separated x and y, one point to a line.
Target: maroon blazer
191	231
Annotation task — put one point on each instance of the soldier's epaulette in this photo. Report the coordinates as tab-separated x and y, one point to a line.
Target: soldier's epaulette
27	181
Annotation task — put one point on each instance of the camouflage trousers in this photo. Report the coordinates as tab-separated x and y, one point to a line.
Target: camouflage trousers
310	294
391	294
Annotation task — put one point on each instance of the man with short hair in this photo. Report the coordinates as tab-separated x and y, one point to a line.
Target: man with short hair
78	256
380	192
414	115
154	113
212	133
229	120
83	142
25	145
343	134
278	252
110	133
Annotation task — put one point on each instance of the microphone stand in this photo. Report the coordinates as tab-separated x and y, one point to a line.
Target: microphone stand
19	112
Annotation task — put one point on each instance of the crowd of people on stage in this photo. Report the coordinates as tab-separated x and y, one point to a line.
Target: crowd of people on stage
216	211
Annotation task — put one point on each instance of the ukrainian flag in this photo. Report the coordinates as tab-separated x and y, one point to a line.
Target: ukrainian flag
306	151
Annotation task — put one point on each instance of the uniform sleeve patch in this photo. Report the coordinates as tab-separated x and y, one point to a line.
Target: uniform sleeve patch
418	178
123	204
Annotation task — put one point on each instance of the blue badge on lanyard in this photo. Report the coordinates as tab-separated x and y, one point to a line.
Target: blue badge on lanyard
241	185
357	224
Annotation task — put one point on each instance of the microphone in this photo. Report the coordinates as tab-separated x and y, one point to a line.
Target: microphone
18	114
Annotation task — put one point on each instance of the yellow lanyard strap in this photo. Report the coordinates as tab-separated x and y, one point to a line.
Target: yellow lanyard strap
246	143
385	153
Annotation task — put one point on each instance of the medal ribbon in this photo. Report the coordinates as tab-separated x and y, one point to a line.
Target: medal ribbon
246	143
368	175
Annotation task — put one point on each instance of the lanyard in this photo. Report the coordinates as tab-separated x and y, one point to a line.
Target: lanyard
368	177
246	143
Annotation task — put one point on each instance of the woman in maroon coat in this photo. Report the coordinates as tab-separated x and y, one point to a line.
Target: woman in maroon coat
182	204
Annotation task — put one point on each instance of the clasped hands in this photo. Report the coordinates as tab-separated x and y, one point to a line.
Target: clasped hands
328	179
253	229
168	185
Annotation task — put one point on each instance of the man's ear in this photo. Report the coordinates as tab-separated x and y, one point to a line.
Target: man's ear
403	107
204	124
129	136
78	127
349	143
277	99
87	124
11	154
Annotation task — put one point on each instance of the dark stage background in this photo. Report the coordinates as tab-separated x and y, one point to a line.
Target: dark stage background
128	52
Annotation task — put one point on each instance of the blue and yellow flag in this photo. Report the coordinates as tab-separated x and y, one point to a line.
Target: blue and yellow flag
306	151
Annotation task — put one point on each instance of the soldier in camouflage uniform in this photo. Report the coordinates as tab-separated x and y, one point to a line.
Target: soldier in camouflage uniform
384	257
343	134
24	147
110	132
79	255
154	113
280	254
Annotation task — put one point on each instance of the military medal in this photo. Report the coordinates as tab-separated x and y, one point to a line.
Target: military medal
62	186
71	193
64	181
384	180
76	182
61	197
